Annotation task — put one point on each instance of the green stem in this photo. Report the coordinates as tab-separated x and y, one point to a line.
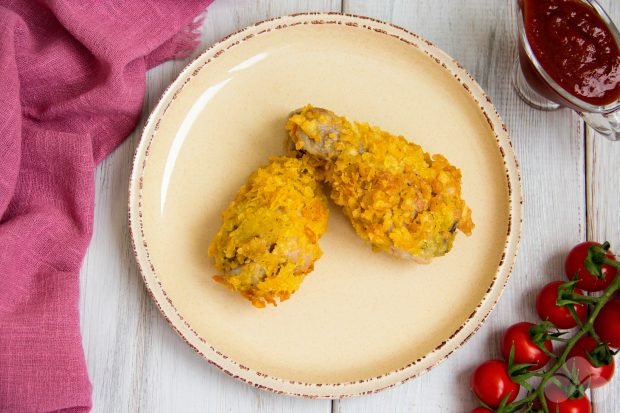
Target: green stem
584	299
573	312
587	327
611	262
547	352
593	333
560	339
543	400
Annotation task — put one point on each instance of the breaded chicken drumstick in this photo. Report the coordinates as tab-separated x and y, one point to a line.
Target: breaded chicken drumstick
268	241
398	197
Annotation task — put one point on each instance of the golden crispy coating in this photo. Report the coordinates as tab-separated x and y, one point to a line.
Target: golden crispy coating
397	196
268	240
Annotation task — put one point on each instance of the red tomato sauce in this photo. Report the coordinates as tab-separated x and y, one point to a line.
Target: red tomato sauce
575	47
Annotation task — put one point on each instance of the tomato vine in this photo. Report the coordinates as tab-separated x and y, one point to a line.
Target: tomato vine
571	370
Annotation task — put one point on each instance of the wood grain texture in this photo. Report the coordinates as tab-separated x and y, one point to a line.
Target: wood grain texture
135	360
603	213
137	363
481	35
603	158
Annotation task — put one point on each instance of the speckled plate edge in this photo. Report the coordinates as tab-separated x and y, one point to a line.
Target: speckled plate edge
345	389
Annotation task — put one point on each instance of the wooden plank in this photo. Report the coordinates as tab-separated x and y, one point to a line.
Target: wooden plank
481	35
604	224
135	360
603	212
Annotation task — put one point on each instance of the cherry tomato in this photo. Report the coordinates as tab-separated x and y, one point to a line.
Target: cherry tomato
575	267
525	350
607	323
558	402
491	383
578	360
481	410
548	310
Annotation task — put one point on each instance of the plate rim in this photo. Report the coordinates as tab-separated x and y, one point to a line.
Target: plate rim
352	388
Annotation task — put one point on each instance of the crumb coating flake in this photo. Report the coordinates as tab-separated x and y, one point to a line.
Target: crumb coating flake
398	197
268	240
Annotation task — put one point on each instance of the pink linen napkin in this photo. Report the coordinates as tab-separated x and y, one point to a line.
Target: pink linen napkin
72	82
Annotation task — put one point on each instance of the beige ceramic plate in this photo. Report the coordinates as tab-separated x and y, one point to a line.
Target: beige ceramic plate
362	321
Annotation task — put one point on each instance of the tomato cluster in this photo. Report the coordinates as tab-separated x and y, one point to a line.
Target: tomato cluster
586	361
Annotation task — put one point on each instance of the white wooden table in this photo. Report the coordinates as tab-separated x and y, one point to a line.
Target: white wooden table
571	185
